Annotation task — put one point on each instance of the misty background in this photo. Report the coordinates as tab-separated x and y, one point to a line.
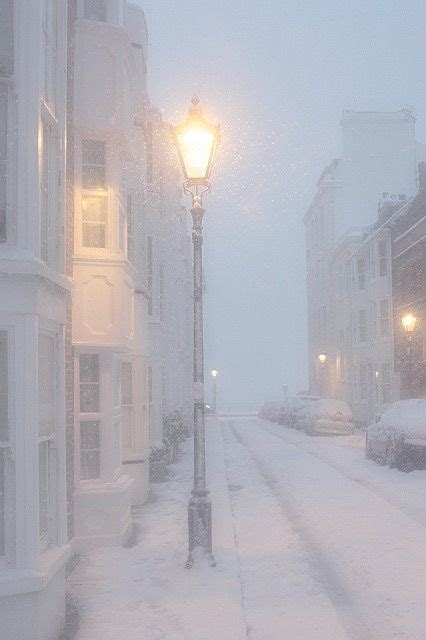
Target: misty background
276	75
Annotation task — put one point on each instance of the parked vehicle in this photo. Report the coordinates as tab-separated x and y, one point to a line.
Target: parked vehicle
298	410
398	438
327	416
271	410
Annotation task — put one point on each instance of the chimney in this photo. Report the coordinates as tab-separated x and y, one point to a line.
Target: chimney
422	177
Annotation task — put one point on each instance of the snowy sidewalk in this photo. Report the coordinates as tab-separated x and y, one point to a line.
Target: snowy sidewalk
145	592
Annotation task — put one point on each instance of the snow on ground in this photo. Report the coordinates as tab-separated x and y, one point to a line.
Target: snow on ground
145	592
312	541
365	554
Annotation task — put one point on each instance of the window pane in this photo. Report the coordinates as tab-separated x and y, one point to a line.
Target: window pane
94	177
6	36
93	164
127	427
94	218
43	488
95	10
126	383
89	398
4	417
46	383
90	437
89	450
89	383
89	367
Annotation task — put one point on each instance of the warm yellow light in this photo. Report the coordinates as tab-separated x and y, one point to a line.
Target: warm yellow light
196	141
322	358
195	146
409	322
214	373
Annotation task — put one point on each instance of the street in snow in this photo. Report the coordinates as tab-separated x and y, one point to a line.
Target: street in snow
312	541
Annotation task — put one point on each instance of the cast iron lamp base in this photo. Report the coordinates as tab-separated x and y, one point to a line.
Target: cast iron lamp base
200	527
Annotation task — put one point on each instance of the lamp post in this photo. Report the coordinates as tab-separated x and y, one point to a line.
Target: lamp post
322	357
214	373
196	141
409	322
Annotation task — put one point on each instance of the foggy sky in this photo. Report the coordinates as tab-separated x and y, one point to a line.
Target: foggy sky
277	76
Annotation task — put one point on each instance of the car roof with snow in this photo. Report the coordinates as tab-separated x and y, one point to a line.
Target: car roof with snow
405	415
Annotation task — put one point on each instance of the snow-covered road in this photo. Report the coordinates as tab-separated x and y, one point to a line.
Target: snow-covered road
312	542
330	545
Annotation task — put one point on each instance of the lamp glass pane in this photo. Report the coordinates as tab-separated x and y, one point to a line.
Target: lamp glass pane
196	145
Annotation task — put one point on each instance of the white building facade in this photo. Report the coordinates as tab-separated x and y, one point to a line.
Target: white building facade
110	302
349	282
35	292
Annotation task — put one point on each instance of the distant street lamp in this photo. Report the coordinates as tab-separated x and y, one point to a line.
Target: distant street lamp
409	322
196	141
214	373
322	360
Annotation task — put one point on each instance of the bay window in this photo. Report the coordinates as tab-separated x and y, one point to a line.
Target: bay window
94	198
93	174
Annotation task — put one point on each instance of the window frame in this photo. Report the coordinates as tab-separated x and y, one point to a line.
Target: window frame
49	536
102	194
83	418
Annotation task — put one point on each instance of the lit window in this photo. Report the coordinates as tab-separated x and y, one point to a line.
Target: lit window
93	164
94	215
90	454
95	10
89	383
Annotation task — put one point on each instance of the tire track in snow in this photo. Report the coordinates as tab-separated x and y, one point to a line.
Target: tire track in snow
323	568
366	484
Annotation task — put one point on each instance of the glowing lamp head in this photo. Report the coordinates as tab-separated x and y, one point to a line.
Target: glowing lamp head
196	141
409	323
214	373
322	358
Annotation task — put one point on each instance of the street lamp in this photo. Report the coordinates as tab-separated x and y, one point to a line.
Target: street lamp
214	373
322	357
409	322
196	141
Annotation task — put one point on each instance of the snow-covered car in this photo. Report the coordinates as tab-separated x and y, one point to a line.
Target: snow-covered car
398	438
271	410
299	410
327	416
